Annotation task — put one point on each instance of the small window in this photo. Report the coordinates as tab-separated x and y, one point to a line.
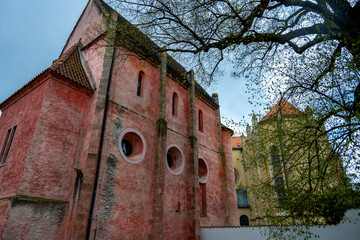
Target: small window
140	78
242	200
200	121
174	104
244	220
7	145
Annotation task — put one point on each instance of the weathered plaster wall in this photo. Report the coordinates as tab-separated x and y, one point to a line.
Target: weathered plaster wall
176	201
209	137
124	190
35	220
181	120
49	116
98	59
176	205
124	85
24	113
233	213
124	200
95	59
70	125
215	210
4	213
49	172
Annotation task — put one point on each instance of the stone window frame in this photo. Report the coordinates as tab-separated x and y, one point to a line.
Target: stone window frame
139	157
203	180
181	166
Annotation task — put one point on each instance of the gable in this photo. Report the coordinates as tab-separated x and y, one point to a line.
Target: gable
90	25
69	66
286	109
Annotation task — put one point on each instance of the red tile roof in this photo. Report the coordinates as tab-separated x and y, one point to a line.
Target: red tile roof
68	65
285	107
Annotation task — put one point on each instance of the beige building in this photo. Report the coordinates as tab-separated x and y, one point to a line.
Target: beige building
285	150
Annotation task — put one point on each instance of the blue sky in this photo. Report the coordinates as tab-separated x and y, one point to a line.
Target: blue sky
34	32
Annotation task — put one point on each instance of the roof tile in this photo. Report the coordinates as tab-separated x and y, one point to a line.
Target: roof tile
68	65
285	107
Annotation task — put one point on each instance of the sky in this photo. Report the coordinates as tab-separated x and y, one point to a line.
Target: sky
33	34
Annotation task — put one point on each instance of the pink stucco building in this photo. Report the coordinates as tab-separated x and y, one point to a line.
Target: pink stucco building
113	141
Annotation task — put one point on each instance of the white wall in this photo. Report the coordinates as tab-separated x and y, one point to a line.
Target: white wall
349	228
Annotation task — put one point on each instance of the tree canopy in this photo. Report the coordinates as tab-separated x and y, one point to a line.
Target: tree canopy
215	28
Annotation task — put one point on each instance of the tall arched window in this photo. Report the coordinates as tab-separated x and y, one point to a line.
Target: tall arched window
140	78
200	121
275	157
174	104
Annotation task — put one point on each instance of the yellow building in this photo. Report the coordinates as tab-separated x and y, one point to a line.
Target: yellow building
284	157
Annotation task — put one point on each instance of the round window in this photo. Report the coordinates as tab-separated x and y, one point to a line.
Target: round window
132	145
203	170
174	160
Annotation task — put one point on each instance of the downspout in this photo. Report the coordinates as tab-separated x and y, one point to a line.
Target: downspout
102	136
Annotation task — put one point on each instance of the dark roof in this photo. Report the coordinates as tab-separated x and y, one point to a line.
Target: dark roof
286	108
129	32
68	65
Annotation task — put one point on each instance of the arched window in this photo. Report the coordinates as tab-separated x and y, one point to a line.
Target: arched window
200	121
203	175
244	220
174	104
140	78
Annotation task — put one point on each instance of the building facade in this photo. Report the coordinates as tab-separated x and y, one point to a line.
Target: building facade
286	157
113	141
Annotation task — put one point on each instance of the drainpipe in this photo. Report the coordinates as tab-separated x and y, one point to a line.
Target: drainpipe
111	43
